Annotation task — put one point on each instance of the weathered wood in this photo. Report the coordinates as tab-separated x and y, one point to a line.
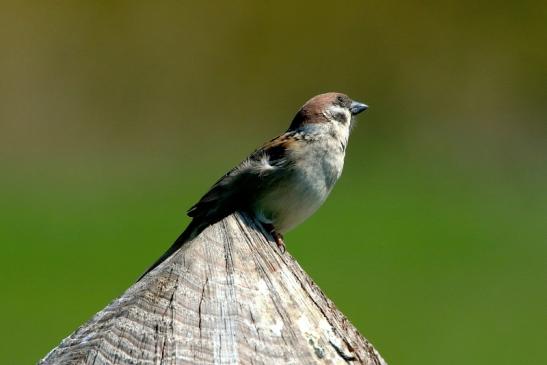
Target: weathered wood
227	297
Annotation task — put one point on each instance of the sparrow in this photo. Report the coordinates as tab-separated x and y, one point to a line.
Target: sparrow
286	180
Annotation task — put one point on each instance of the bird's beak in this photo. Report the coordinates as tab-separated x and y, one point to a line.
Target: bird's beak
357	107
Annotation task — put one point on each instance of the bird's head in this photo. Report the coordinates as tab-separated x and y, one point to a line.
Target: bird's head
333	108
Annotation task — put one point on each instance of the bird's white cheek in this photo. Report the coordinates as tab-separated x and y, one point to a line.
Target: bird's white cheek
340	132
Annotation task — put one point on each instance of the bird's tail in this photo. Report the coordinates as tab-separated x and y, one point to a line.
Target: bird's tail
193	229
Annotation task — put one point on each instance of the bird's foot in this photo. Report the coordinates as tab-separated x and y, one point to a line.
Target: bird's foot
278	237
279	241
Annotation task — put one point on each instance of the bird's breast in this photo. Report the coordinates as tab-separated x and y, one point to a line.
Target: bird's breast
315	169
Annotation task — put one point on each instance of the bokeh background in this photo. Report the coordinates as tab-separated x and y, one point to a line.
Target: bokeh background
116	116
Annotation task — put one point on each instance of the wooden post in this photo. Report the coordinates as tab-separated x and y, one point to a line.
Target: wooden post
227	297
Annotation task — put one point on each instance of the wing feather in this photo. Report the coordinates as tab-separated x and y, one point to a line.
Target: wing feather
236	190
244	183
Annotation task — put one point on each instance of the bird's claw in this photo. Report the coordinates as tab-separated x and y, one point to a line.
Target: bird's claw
278	237
280	243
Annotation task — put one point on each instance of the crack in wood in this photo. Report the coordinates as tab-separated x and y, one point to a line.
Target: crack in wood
341	353
199	306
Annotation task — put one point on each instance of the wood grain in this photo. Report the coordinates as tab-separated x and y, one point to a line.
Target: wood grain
227	297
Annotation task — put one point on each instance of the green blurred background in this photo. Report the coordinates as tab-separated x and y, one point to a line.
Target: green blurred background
116	116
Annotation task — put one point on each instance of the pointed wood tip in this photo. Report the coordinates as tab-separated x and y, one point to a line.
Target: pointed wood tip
227	297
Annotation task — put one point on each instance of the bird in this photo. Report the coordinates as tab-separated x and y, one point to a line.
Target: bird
287	179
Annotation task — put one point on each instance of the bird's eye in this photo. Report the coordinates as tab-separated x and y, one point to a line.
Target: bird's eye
340	99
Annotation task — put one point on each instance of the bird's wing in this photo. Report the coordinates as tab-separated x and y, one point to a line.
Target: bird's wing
237	189
244	183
